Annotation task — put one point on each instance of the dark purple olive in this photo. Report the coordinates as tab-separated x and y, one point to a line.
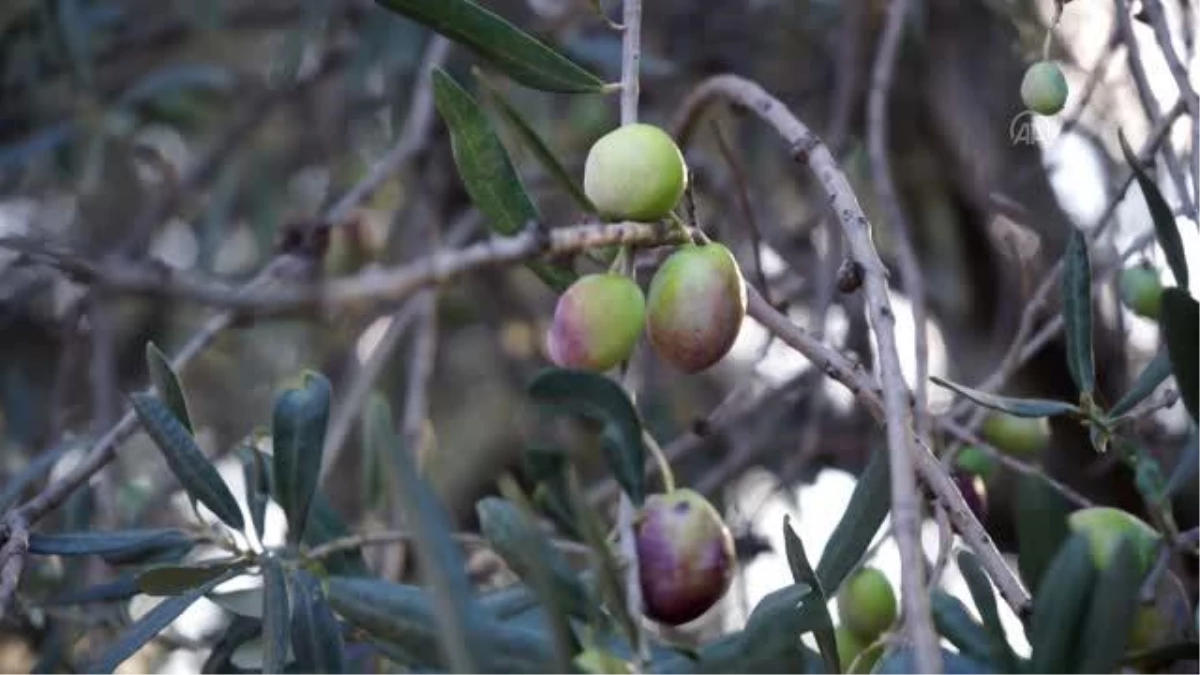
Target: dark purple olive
974	492
685	556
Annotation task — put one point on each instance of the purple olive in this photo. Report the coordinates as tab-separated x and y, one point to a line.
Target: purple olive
974	492
685	556
695	306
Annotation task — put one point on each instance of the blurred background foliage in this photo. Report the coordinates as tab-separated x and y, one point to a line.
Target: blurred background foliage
196	132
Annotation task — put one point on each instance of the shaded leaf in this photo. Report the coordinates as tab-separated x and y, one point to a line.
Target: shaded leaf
956	624
1041	528
1110	618
197	475
1060	608
601	399
121	588
324	525
176	579
802	573
240	631
487	172
610	581
166	383
985	601
1186	467
441	565
515	121
514	536
1021	407
405	616
1147	381
519	55
1155	660
127	542
1160	214
316	635
258	486
377	434
525	549
744	653
150	625
298	438
1077	313
869	505
276	616
1181	331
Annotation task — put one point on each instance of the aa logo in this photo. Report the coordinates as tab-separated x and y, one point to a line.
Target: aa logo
1028	128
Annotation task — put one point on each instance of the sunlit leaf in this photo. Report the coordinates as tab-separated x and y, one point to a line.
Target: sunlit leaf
1021	407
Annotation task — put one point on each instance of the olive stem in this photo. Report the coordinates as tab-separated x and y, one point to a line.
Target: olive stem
664	464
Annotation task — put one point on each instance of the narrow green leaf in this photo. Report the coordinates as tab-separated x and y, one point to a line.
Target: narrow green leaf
744	653
405	616
517	540
107	543
457	612
1060	607
378	436
487	172
1041	528
529	554
276	616
176	579
515	121
166	383
298	439
608	574
240	631
150	625
599	398
324	525
1186	467
1077	313
956	624
316	635
258	486
1109	620
197	475
985	601
1181	331
123	587
1147	381
1165	228
802	573
519	55
1157	659
869	505
1021	407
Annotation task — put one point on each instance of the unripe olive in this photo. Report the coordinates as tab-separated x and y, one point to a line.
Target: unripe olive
695	306
849	646
1044	88
977	462
597	322
1141	290
1105	527
685	556
1018	436
635	172
867	604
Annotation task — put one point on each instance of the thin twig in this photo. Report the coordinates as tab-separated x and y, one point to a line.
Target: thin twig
743	199
1162	33
807	148
905	506
385	537
1146	94
631	60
